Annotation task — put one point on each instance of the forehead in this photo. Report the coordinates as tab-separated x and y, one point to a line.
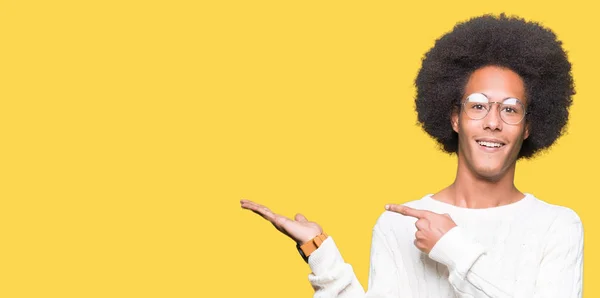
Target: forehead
497	83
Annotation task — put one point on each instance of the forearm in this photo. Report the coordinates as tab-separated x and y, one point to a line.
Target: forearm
473	269
463	257
331	276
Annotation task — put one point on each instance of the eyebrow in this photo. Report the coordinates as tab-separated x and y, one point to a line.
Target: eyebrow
486	96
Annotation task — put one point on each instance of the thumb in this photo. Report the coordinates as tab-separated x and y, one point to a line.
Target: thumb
299	217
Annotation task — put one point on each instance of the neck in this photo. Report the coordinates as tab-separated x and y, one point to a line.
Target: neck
470	190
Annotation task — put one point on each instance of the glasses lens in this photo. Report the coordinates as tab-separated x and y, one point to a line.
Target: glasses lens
512	111
477	106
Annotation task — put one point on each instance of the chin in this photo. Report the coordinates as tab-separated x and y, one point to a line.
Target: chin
490	172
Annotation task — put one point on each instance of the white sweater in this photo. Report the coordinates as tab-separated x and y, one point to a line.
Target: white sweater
525	249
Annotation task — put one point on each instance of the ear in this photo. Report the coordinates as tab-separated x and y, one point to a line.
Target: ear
454	119
526	133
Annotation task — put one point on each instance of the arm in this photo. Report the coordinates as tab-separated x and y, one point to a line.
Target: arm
471	268
561	271
332	277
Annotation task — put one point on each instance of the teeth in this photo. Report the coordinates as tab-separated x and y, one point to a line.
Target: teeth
489	144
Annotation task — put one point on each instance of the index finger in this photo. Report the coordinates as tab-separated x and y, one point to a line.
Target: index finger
407	211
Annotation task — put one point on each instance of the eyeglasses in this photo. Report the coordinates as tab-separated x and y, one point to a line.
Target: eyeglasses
478	105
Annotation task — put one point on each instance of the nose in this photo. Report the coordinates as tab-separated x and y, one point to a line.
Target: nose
492	120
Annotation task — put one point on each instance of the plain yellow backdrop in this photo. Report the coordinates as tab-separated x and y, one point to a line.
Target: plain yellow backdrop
130	130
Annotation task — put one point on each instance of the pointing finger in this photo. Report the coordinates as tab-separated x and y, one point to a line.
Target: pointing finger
407	211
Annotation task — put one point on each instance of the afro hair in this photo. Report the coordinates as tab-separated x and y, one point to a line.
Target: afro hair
525	47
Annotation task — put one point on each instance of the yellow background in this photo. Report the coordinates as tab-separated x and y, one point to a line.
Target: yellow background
130	130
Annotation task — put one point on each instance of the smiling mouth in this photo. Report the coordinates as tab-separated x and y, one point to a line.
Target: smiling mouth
490	144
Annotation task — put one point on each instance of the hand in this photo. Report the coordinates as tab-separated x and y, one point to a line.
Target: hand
300	230
431	226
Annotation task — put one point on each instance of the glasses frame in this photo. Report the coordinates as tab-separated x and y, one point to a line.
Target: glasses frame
462	107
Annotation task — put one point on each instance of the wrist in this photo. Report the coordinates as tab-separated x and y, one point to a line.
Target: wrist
456	250
307	248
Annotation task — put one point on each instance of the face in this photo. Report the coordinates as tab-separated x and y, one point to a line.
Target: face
489	147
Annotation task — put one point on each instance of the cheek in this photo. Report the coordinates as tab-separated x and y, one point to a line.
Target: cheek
518	135
466	131
521	133
466	127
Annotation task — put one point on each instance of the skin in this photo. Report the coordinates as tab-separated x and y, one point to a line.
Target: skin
484	178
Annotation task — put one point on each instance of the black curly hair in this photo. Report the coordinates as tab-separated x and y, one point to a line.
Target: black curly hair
525	47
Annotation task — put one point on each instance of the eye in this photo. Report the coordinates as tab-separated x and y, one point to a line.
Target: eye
509	110
478	106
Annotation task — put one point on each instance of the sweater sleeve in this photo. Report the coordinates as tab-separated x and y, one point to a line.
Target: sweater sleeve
561	270
332	277
472	273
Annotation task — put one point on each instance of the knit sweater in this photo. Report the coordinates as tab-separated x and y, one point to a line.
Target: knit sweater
525	249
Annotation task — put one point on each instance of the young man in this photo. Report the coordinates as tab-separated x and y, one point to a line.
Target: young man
493	90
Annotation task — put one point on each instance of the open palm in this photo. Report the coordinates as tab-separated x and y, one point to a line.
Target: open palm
300	229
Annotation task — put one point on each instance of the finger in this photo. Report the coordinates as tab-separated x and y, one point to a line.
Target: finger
405	210
422	224
244	203
253	206
301	218
265	213
420	235
259	209
418	244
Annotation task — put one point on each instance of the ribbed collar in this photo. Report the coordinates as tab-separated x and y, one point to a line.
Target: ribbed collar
508	209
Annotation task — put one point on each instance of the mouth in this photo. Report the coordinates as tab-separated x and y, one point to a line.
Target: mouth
490	144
